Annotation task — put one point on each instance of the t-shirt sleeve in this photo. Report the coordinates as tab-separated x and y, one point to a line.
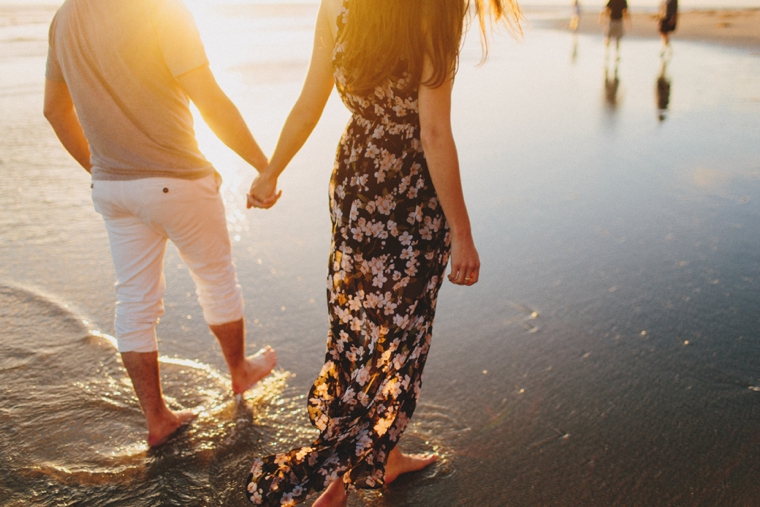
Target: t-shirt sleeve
178	37
53	68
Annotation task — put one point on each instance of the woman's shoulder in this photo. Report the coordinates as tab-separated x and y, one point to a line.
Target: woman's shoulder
332	8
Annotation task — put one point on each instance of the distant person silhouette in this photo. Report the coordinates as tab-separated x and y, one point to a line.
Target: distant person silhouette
612	17
662	87
575	19
668	18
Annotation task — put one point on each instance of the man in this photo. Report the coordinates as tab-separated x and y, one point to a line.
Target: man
119	75
615	12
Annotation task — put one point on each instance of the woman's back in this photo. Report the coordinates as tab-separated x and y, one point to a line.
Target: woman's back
392	101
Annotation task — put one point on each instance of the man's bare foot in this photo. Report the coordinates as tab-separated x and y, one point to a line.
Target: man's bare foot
162	430
399	463
257	367
334	496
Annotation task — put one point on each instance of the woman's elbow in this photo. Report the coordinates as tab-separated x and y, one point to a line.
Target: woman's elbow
434	137
307	116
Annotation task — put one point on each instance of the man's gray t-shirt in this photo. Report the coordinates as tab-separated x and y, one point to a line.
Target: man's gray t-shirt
120	60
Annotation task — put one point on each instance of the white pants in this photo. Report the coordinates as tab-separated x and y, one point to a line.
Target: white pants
140	216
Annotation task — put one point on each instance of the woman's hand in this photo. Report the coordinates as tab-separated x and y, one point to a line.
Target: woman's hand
263	193
465	262
443	163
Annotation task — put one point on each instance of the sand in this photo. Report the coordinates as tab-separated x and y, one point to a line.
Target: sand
735	27
15	15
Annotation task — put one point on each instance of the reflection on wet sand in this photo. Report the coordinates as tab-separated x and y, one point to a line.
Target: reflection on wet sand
611	84
611	87
574	52
611	73
662	86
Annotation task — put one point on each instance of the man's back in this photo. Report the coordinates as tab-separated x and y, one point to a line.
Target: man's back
120	60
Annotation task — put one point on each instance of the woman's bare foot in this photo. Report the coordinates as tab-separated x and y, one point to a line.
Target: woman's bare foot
334	496
257	367
161	430
399	463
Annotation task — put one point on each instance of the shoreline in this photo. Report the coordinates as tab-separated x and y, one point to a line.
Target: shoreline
18	15
731	27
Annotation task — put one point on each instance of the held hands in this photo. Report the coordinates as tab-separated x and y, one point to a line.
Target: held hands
263	193
465	263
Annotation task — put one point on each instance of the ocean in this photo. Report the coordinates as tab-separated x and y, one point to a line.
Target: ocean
609	355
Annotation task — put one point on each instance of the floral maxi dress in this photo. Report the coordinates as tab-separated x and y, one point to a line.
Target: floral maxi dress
390	246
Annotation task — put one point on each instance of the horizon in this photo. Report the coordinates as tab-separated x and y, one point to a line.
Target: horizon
634	4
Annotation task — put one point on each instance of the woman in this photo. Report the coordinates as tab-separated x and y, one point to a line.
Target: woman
398	213
668	19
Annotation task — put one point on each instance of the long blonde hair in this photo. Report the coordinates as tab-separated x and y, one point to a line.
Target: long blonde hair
383	37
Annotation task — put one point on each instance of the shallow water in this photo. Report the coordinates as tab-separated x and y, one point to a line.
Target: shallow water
609	355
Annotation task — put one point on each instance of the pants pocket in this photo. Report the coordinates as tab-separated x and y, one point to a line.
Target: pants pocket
99	201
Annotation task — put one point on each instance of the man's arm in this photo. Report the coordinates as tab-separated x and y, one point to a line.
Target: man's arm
60	113
221	115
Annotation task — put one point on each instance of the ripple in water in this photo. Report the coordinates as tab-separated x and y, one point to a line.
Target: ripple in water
71	428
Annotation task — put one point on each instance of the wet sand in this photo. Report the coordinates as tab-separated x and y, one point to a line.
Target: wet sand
607	357
11	15
735	27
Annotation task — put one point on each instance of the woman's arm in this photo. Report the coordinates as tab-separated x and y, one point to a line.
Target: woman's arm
305	113
443	164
